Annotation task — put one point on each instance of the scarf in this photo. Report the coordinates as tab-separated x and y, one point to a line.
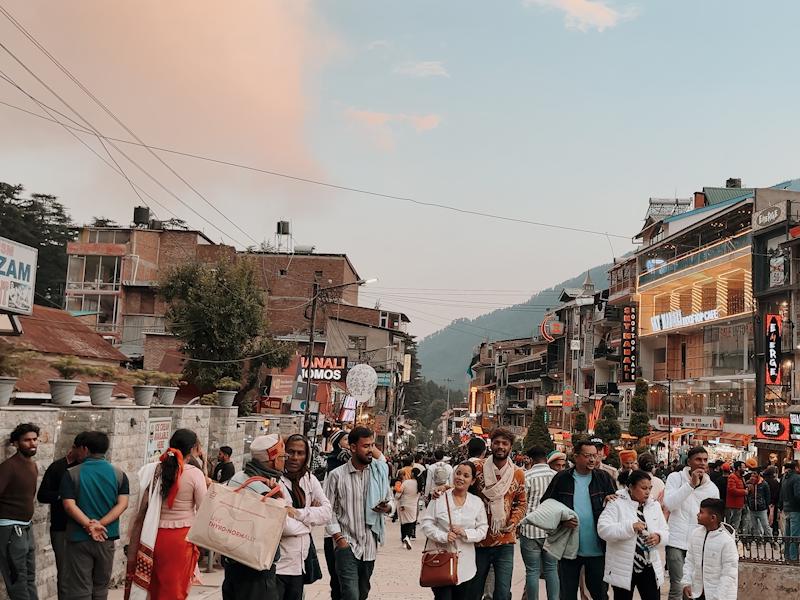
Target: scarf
173	490
495	490
254	468
143	534
377	490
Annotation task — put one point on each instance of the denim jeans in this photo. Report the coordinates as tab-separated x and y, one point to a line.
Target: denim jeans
502	559
734	517
759	524
675	558
793	530
353	573
536	560
18	561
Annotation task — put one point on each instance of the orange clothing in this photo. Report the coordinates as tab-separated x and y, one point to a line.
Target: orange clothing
515	503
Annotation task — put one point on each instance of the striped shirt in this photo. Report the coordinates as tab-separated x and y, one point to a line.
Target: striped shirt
537	478
346	488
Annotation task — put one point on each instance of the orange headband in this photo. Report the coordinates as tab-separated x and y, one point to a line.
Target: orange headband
173	491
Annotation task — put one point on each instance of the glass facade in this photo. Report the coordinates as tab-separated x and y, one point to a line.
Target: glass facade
732	399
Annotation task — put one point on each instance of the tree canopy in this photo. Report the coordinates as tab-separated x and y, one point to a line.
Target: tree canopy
537	432
607	428
639	425
42	222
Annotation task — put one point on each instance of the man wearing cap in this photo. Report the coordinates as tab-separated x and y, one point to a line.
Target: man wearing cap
685	490
268	456
557	461
735	498
628	464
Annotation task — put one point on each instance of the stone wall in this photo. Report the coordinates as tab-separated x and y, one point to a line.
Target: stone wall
759	580
127	427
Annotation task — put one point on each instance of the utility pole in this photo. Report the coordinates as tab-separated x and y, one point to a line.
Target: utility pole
309	357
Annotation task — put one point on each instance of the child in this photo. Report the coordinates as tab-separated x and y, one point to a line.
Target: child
711	569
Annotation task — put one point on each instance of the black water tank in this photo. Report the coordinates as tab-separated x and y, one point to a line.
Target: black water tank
141	215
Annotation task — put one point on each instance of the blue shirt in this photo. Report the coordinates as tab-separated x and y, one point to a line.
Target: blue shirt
95	485
588	541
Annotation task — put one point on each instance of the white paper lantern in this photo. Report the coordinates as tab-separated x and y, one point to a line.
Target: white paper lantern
361	383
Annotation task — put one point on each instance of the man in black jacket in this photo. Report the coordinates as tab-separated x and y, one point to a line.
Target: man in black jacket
49	494
585	489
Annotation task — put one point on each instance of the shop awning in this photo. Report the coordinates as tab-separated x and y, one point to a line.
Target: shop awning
477	429
627	436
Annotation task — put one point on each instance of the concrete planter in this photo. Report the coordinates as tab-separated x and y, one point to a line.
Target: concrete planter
6	387
62	391
143	394
166	395
225	397
100	392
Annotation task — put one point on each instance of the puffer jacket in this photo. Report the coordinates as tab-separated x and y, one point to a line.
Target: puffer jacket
615	526
683	503
758	496
562	542
736	492
712	563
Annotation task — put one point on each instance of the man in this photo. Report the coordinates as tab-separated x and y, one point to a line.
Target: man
685	490
532	539
602	453
790	503
501	485
439	473
360	497
476	449
49	493
557	461
734	499
628	461
224	468
18	476
95	494
585	488
417	464
339	455
267	459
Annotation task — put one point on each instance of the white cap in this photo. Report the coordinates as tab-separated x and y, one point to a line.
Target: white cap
259	448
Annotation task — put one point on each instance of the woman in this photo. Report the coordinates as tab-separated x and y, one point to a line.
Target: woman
298	563
173	489
407	495
466	525
633	526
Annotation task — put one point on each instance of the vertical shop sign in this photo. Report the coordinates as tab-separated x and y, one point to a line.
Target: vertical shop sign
773	332
630	354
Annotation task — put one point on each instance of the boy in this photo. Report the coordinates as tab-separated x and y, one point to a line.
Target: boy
711	570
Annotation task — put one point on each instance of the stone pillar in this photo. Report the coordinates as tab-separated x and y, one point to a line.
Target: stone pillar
224	431
194	417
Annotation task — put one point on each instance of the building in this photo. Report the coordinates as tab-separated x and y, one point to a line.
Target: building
519	365
483	388
113	273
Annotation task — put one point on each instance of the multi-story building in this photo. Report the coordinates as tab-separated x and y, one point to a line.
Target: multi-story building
519	365
113	273
483	388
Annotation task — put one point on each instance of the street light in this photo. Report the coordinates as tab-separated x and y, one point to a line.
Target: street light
316	291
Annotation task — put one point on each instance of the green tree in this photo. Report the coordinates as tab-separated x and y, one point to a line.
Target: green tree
607	428
42	222
537	432
639	425
103	222
580	422
218	313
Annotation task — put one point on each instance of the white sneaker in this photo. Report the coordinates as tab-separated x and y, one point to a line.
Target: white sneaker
407	543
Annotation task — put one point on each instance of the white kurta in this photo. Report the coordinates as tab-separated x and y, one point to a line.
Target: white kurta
472	517
407	501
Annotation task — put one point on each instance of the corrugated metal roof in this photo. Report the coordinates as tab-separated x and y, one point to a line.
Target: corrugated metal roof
711	208
717	195
667	207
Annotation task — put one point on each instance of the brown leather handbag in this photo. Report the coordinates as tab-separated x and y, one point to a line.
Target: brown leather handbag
440	566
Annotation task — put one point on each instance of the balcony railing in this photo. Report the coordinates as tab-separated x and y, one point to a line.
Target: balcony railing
767	550
698	257
524	376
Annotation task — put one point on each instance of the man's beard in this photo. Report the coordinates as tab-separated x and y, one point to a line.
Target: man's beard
27	452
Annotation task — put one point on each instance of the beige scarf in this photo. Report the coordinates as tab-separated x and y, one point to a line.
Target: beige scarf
495	490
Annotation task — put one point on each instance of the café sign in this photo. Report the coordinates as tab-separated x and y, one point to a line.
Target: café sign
772	428
773	333
676	318
769	216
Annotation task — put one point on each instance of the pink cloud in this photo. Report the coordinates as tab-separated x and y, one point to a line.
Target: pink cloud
584	15
381	124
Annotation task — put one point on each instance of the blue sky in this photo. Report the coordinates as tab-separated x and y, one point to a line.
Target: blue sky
571	112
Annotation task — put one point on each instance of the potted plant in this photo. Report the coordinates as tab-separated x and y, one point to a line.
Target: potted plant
62	391
209	399
227	387
11	361
100	391
168	385
144	387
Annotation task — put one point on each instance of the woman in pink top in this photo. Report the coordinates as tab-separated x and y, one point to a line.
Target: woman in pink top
183	487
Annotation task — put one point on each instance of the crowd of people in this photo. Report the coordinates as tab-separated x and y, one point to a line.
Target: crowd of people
581	525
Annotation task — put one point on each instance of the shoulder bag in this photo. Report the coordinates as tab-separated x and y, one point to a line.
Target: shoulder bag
440	566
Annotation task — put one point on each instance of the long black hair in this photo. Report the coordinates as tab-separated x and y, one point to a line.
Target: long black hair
183	440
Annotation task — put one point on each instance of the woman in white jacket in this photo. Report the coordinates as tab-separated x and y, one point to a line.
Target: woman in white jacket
633	526
465	525
310	507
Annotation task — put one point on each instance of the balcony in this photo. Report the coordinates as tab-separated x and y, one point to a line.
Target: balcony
524	376
698	257
606	353
605	389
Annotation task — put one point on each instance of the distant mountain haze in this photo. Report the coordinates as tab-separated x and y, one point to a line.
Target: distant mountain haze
446	353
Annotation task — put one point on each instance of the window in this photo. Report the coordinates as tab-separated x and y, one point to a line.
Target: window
318	275
93	272
356	342
384	320
109	236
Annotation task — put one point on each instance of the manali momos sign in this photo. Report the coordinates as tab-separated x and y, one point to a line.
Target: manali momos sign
324	368
676	318
772	428
773	333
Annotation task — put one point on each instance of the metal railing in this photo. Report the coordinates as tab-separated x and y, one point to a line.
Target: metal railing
771	550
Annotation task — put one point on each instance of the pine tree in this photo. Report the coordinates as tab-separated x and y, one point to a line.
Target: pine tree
607	428
580	423
537	432
639	425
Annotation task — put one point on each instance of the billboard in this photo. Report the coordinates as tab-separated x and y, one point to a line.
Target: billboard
773	334
17	277
324	368
630	352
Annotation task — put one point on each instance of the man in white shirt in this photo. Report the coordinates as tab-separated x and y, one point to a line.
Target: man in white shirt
439	473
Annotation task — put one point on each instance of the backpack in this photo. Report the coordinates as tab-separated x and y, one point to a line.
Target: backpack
441	474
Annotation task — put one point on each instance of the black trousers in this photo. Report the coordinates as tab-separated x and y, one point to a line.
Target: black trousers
645	582
290	587
408	530
569	572
330	562
243	583
462	591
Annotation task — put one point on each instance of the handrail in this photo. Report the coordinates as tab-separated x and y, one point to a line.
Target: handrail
767	550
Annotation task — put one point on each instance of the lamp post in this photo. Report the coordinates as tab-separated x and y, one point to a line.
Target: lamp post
316	290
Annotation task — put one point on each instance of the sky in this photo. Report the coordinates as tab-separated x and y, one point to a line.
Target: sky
566	112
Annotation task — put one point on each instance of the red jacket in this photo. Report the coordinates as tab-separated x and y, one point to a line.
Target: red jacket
736	491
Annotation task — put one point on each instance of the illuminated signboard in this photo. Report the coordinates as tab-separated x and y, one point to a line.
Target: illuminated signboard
773	333
772	428
630	353
324	368
794	426
676	318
